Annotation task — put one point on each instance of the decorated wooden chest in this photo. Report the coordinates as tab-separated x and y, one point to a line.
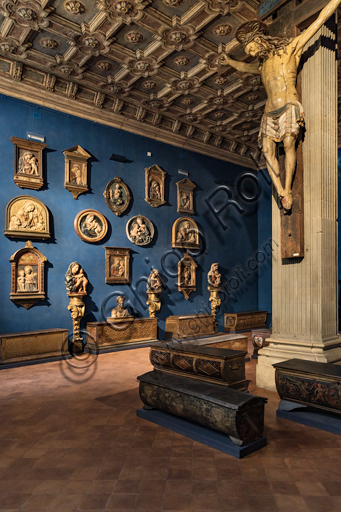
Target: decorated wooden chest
211	364
108	334
310	383
244	321
30	345
234	413
259	337
224	340
189	326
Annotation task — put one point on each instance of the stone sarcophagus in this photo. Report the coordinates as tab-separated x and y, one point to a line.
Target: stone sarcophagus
229	411
189	326
244	321
309	383
210	364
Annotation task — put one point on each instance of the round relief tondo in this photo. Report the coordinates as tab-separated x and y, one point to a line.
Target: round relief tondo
90	225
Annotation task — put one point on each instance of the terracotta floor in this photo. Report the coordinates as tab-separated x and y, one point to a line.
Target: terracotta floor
70	440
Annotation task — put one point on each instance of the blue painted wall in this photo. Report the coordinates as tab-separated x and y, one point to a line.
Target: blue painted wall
232	239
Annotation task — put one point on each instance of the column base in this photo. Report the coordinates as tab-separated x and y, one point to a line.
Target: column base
280	350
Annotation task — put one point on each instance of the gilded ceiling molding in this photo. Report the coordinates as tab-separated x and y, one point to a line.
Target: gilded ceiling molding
127	11
30	14
111	118
178	37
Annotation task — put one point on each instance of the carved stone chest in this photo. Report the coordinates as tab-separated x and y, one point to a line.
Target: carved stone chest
234	413
210	364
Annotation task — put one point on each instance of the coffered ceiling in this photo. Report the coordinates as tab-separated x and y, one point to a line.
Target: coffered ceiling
149	67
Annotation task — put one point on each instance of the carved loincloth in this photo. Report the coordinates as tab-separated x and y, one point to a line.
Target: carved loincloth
278	124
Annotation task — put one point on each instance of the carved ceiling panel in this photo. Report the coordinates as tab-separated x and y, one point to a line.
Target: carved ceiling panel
149	63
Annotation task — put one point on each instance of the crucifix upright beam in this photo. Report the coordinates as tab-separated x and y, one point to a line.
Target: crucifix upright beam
305	302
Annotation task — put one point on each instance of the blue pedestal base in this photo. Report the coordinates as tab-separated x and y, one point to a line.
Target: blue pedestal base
323	420
201	434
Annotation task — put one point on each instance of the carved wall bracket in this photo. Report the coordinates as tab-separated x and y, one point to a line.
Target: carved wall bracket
214	299
153	303
77	309
76	283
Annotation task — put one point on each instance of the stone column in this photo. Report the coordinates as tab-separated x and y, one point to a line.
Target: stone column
305	302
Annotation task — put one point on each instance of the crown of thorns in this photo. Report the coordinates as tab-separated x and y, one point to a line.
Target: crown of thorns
249	30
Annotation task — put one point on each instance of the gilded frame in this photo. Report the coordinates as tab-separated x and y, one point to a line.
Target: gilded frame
123	195
27	276
185	202
187	284
90	225
27	217
28	163
185	234
76	170
117	265
155	196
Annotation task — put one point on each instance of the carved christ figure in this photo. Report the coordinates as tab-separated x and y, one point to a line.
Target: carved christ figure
277	63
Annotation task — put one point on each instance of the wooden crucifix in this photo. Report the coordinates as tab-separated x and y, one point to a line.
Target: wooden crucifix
277	62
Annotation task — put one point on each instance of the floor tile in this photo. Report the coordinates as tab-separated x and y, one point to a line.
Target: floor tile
67	448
